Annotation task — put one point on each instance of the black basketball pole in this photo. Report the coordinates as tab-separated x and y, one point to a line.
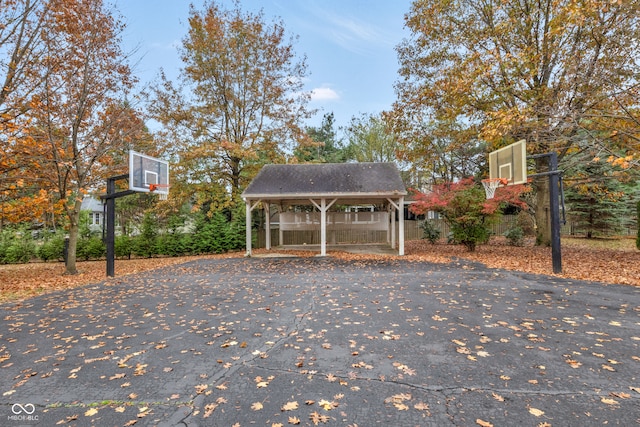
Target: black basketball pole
110	238
554	206
111	227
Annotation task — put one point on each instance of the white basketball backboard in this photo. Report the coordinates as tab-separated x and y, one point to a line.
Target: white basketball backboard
148	173
510	163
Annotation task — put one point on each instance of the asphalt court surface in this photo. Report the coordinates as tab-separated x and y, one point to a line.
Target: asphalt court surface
323	341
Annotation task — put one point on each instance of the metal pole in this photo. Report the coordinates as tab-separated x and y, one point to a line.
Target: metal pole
111	227
554	184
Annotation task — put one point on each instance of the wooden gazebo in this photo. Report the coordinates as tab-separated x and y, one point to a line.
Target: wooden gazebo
322	186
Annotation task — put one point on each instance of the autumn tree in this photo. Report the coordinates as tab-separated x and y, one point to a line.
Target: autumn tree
464	206
22	198
80	118
552	72
239	105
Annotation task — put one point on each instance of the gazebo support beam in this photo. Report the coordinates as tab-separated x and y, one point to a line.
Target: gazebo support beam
248	209
399	207
323	207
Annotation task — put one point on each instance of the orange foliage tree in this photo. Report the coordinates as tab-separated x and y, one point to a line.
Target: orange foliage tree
79	118
239	105
22	196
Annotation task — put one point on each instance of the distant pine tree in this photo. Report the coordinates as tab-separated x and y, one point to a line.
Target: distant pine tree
595	199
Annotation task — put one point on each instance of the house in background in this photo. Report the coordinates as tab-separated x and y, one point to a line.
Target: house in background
96	212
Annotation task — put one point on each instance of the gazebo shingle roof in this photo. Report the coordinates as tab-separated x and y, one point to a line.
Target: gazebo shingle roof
344	179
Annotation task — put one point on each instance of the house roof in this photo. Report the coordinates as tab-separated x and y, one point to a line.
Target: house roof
91	204
334	180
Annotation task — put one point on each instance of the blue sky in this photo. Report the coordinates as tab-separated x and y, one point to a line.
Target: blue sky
349	45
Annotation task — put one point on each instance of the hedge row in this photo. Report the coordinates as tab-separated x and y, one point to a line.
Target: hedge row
211	235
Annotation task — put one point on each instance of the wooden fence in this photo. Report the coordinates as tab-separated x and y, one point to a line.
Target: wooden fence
412	231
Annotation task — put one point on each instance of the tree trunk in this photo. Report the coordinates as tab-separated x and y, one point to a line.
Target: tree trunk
543	222
74	220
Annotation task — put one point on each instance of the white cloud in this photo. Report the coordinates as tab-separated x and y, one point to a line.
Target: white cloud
324	94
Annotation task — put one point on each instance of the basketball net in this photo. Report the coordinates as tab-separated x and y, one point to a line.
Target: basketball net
491	184
154	187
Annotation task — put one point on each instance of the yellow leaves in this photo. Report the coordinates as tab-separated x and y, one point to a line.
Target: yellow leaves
573	363
261	382
609	401
536	412
497	397
483	423
398	401
317	418
327	405
294	420
91	412
404	368
289	406
624	162
201	388
256	406
421	406
621	395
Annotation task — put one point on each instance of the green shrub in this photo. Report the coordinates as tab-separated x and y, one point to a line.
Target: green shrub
145	244
515	236
471	232
237	232
52	248
123	247
211	235
430	231
172	244
16	247
22	251
6	237
91	248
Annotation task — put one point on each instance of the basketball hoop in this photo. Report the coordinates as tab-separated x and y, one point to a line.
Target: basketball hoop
162	195
491	184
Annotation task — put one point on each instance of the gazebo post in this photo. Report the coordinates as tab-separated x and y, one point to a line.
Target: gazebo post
323	227
399	207
323	207
393	227
248	226
267	223
401	226
248	208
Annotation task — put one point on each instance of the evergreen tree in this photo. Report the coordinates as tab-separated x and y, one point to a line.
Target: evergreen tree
326	147
595	197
